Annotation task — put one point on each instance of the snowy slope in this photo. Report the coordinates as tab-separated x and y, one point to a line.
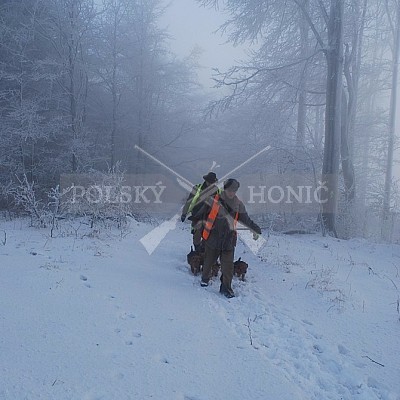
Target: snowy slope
96	317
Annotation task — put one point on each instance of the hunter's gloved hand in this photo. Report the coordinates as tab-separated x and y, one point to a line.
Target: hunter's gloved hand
183	217
256	232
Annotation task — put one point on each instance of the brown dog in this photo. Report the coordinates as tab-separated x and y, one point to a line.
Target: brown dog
240	268
195	260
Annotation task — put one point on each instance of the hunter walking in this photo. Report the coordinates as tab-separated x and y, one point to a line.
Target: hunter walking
220	214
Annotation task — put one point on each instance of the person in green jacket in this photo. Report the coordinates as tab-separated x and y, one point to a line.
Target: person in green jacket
195	201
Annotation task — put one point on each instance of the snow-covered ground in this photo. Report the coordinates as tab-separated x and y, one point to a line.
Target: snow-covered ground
95	317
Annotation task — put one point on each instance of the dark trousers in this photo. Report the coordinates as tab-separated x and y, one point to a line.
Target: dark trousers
226	258
197	231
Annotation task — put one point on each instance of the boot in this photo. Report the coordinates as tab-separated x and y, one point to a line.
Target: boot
227	292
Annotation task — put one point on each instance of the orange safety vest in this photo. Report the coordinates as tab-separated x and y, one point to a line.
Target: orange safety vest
213	215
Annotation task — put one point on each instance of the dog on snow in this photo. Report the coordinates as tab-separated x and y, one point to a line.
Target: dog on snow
240	268
195	260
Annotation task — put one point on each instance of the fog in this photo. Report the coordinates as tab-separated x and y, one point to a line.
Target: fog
120	90
194	27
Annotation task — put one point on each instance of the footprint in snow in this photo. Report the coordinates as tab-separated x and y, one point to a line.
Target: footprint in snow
343	350
258	296
318	349
84	279
135	335
125	315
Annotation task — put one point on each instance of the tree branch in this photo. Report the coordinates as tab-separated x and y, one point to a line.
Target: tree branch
389	18
324	12
376	362
260	70
312	26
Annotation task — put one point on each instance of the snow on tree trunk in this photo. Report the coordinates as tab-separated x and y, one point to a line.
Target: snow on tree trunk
302	107
347	164
330	168
392	117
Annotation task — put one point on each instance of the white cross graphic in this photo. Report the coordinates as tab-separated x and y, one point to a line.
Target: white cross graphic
152	239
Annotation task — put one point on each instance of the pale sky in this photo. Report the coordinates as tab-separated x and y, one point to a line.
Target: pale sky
192	25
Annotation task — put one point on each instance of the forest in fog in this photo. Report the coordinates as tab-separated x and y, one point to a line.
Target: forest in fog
83	82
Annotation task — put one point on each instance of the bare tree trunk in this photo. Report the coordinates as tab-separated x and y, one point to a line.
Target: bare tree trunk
348	112
330	168
71	73
301	114
347	164
392	119
353	75
114	119
139	167
302	107
318	128
114	90
371	100
352	64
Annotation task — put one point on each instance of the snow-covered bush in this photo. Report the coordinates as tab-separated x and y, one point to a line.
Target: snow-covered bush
323	281
47	209
100	198
24	195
